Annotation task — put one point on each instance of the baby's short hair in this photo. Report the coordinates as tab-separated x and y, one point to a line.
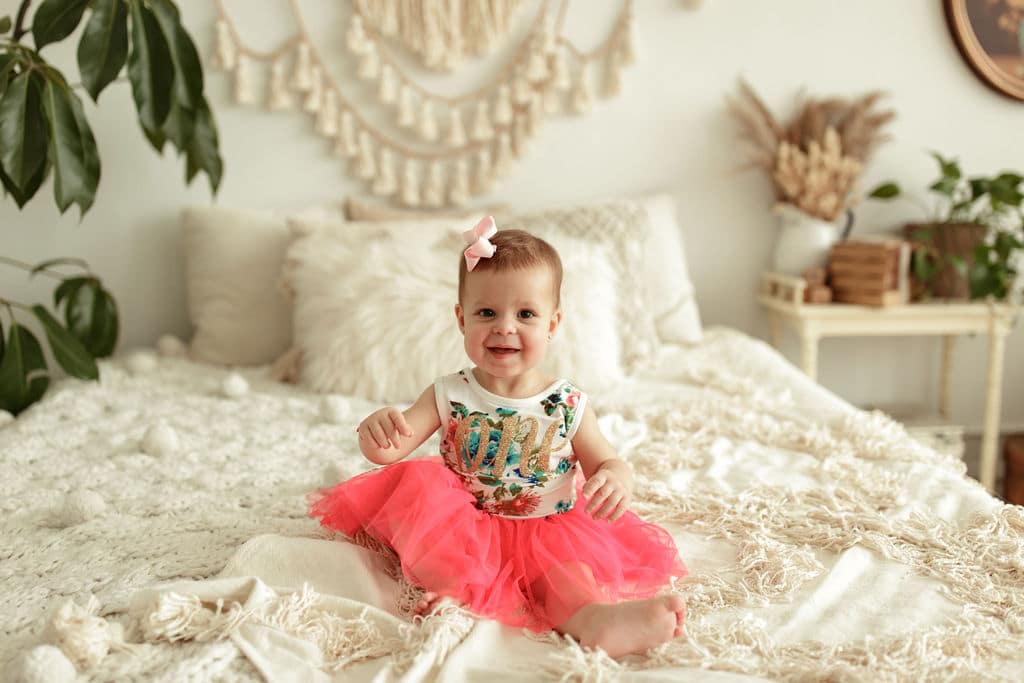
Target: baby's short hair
517	250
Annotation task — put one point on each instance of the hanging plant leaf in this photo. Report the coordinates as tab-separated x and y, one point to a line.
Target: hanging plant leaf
74	181
149	68
22	196
23	378
56	20
68	351
23	134
66	289
202	152
5	26
7	64
91	316
188	71
103	48
180	125
90	153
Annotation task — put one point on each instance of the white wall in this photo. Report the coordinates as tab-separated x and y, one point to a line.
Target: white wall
668	130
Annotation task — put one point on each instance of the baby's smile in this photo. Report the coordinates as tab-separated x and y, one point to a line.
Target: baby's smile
502	350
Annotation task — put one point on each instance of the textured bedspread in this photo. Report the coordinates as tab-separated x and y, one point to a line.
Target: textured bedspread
823	542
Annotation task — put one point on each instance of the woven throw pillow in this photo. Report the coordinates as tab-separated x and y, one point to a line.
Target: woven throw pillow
670	294
233	260
376	318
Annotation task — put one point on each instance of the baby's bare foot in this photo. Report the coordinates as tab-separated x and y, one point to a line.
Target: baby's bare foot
627	627
428	601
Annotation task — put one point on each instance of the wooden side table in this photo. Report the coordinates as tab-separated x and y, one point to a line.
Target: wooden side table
815	321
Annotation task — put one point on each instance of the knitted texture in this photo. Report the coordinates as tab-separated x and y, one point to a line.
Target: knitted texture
240	463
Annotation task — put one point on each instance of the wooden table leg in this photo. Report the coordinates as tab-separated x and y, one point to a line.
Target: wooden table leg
774	329
809	353
946	380
999	328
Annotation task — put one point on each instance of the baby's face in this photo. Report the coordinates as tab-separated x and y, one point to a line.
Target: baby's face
506	319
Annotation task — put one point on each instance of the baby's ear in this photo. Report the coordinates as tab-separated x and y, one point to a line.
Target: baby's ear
459	318
556	320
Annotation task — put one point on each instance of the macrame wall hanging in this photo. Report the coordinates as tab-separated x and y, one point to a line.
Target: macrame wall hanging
454	146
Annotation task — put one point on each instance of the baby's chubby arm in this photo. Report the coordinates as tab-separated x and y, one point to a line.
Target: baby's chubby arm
389	434
609	479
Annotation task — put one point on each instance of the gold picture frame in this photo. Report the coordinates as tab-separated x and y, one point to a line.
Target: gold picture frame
988	34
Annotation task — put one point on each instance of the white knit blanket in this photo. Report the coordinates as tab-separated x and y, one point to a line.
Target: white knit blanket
823	543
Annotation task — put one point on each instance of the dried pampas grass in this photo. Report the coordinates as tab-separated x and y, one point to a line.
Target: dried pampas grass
815	160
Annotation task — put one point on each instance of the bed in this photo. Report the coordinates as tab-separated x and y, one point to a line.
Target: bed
154	528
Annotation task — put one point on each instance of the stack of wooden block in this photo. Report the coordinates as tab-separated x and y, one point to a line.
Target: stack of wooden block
817	291
870	272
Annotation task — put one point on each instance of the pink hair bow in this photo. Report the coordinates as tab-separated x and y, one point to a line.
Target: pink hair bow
479	242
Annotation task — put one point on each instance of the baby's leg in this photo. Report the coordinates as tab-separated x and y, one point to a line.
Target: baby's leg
626	627
429	600
617	628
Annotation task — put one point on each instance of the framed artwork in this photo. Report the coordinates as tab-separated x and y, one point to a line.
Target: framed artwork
990	35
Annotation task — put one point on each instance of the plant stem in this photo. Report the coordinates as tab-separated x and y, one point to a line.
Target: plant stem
7	303
19	30
29	267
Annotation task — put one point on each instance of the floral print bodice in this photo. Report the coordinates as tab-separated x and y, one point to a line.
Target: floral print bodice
513	454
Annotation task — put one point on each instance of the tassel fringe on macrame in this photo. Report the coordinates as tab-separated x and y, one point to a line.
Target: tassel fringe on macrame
460	144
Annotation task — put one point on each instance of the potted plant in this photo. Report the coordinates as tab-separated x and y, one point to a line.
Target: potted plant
44	133
814	162
969	243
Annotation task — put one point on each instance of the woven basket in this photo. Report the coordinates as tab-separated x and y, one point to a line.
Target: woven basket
951	239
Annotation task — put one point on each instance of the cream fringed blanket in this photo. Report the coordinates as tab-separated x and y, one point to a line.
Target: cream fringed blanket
842	552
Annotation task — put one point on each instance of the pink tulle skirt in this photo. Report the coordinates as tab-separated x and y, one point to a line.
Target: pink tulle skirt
534	572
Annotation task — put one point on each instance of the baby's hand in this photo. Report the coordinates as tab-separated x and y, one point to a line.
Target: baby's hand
609	490
382	428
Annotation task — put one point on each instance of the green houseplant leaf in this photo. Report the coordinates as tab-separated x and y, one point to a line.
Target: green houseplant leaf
885	191
202	153
103	48
188	71
68	351
5	26
91	314
150	68
56	20
75	178
22	196
7	64
23	377
23	134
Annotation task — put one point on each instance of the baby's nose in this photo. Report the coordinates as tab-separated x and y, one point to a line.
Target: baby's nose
505	326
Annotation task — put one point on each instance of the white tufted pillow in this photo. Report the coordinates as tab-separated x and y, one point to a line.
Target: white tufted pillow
376	319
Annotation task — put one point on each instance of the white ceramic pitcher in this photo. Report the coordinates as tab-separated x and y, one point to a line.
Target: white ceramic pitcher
804	241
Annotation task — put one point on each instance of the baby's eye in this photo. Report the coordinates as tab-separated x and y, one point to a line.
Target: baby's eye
485	312
527	314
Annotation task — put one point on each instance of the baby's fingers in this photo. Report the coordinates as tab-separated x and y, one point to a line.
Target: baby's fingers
598	499
594	483
379	437
610	503
622	508
392	431
398	420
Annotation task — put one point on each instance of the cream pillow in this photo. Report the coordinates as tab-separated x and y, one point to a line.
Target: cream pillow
670	294
233	260
659	303
376	318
